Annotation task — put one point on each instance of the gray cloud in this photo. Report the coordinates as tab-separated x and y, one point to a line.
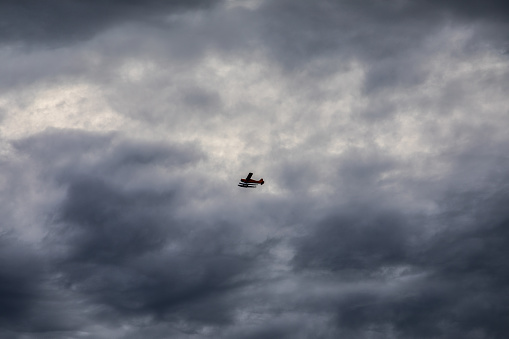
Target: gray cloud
485	10
62	21
379	128
390	40
362	240
124	249
18	288
456	280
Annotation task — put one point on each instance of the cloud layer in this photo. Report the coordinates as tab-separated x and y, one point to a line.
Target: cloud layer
379	128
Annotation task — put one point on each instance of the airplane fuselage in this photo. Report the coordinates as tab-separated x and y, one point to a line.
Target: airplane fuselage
251	181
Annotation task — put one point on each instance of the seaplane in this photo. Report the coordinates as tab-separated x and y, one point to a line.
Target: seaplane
250	183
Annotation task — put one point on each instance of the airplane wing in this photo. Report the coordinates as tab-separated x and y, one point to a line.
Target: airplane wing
249	176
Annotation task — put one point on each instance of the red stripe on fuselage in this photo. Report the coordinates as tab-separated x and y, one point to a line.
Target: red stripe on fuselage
251	181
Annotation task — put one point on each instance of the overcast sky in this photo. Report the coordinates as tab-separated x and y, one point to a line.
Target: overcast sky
379	127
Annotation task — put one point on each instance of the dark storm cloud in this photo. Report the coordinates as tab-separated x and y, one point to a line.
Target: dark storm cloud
117	254
29	304
127	231
457	277
375	238
361	239
390	39
112	225
19	289
472	9
284	330
463	292
378	30
127	251
58	21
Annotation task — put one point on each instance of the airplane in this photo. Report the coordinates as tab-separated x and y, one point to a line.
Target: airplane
250	183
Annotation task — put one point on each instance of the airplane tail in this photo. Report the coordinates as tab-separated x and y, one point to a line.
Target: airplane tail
261	181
